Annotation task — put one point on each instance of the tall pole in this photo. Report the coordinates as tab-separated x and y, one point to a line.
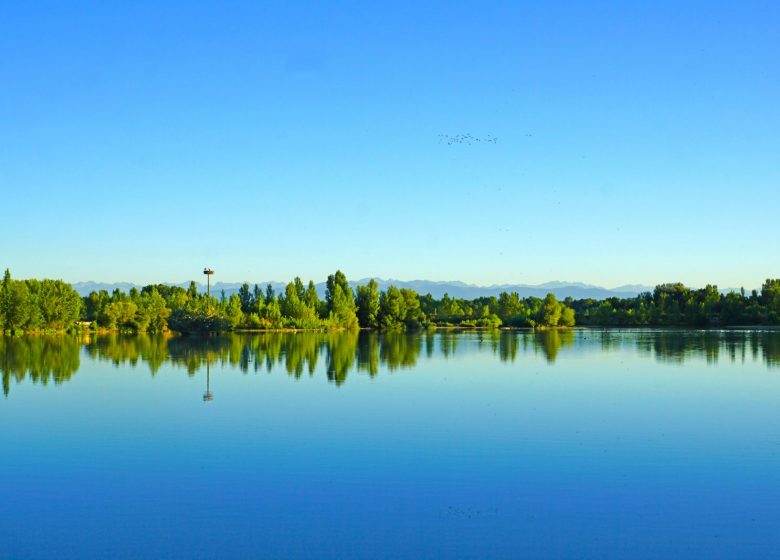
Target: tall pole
208	272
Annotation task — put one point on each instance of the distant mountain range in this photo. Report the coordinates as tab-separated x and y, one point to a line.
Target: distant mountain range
456	289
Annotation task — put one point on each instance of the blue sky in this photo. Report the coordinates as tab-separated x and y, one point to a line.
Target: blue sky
636	142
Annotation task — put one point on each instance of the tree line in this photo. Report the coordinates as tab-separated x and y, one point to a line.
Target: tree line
674	305
39	305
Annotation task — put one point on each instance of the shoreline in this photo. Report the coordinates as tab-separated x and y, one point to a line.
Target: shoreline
446	328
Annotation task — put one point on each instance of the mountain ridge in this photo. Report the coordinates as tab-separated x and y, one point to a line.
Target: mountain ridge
437	288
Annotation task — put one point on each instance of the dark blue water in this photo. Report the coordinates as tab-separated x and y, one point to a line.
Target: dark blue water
632	444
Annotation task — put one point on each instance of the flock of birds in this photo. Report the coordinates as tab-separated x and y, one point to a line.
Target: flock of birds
467	139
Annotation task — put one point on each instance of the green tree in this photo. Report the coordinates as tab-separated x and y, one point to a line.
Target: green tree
340	280
413	314
122	315
368	304
233	310
770	297
245	297
16	302
5	290
269	294
511	309
300	291
340	302
551	311
709	309
294	307
192	291
342	309
311	299
153	312
257	296
567	317
59	306
94	304
450	310
272	314
392	309
291	303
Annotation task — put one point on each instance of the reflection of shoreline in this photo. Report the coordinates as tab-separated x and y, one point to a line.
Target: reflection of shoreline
41	359
54	359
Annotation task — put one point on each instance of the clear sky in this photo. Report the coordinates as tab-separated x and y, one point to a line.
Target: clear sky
637	142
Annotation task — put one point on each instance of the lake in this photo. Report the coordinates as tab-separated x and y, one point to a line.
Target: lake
578	444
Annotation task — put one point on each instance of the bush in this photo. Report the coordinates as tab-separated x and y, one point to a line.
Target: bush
183	322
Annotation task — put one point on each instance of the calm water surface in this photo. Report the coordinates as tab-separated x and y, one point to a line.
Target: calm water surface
586	444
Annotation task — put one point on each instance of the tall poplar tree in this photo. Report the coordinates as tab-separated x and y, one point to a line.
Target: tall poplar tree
368	304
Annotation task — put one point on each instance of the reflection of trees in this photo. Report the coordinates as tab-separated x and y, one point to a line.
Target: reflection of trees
710	346
400	349
194	352
301	352
610	340
129	349
56	358
551	341
429	343
449	343
39	358
508	345
368	353
771	348
266	349
297	352
669	348
490	339
342	348
675	346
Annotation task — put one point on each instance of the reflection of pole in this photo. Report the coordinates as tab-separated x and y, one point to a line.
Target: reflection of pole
208	396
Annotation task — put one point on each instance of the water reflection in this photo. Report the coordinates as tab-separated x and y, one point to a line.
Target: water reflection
126	349
38	358
44	359
550	342
207	394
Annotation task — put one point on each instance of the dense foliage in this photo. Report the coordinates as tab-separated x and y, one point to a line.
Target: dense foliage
35	305
676	305
30	305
